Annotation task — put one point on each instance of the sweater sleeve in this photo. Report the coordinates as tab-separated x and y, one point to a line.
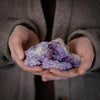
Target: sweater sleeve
94	36
6	28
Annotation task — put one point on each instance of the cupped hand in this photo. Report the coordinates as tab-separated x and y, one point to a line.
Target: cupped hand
81	46
20	40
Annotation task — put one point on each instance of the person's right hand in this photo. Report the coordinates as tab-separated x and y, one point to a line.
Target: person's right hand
21	39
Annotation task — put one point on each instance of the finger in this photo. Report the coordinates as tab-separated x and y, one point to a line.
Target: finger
35	73
84	67
28	68
13	53
19	51
66	74
39	72
49	77
86	64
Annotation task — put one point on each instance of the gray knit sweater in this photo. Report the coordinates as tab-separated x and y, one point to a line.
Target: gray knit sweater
72	18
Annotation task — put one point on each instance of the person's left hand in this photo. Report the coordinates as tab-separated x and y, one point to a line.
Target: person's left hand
81	46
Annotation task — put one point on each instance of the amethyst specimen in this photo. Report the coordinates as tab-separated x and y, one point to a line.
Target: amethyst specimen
54	54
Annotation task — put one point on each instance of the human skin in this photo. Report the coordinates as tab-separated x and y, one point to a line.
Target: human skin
81	46
20	40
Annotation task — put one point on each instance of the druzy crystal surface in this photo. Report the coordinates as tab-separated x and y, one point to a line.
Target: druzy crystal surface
54	54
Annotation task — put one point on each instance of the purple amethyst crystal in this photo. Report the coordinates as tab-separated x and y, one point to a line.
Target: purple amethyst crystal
54	54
